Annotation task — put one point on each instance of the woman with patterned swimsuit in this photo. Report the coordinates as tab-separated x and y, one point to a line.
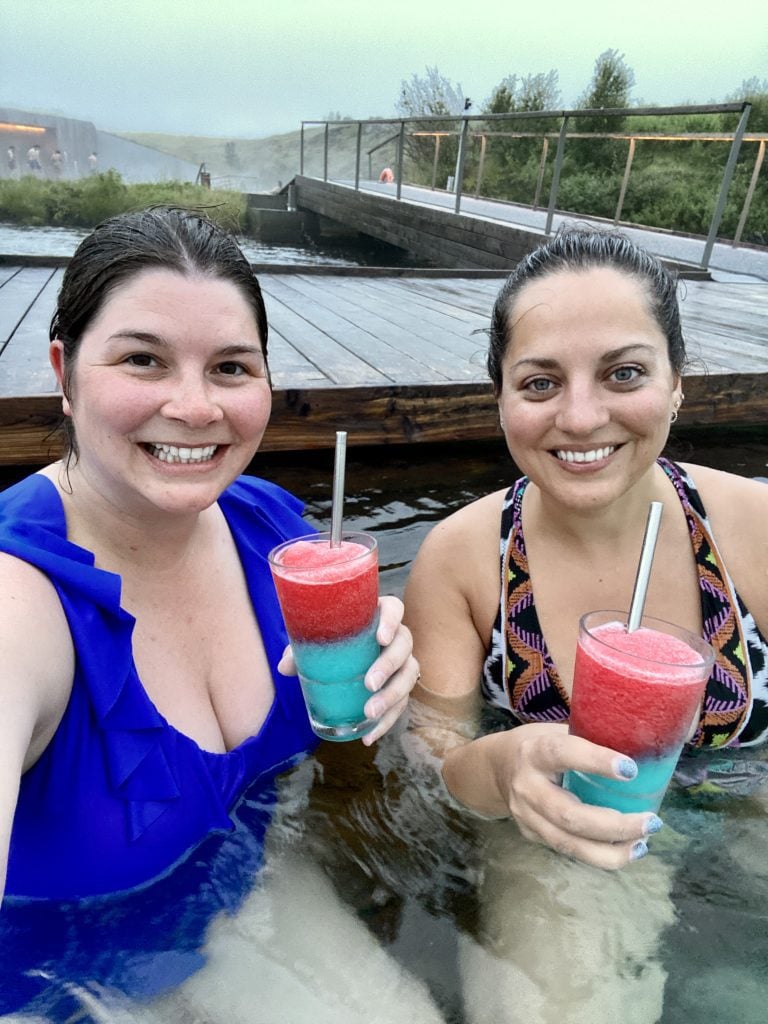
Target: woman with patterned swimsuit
586	356
519	677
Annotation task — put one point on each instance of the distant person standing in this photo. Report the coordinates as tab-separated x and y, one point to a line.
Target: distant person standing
57	162
10	159
93	162
387	176
33	158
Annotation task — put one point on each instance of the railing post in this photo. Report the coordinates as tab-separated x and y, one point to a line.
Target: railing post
625	180
357	154
457	185
434	162
400	150
556	177
730	167
325	153
750	192
481	166
301	153
540	179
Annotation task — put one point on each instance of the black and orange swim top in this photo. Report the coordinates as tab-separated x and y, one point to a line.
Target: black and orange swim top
520	678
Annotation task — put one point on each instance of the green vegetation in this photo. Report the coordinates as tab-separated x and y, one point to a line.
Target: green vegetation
673	183
86	202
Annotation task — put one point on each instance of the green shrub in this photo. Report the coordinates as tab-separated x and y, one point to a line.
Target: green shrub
88	201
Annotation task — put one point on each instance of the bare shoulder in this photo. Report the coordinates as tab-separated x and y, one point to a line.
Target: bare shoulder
36	650
470	532
737	508
731	500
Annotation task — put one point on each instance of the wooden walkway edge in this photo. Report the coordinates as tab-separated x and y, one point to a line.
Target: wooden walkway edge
390	358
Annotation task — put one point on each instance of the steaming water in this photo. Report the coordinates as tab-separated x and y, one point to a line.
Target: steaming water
377	902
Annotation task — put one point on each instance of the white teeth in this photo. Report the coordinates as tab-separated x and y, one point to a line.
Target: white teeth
591	456
171	453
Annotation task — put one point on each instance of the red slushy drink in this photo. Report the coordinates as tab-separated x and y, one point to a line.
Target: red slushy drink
637	693
329	599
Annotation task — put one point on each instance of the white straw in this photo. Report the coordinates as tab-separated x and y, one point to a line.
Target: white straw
644	566
337	507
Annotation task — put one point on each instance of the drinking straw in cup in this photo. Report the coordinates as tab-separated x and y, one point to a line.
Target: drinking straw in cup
328	589
638	683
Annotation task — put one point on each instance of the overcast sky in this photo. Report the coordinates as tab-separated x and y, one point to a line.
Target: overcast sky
246	68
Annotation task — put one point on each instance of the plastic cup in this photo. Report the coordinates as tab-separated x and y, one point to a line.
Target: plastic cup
638	693
329	599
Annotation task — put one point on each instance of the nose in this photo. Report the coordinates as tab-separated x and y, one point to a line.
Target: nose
582	409
192	400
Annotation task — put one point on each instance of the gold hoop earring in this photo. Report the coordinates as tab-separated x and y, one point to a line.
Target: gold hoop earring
673	416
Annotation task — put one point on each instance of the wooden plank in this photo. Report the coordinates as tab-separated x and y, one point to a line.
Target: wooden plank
336	356
333	312
434	363
431	325
7	272
17	296
307	418
24	362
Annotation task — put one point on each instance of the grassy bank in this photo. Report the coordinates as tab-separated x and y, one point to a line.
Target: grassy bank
85	203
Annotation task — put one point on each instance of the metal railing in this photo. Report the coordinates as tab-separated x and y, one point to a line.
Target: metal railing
473	128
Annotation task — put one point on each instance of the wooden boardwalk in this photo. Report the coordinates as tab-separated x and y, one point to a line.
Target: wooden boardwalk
392	357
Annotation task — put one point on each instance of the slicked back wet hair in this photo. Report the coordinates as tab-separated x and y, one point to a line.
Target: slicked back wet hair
118	249
581	249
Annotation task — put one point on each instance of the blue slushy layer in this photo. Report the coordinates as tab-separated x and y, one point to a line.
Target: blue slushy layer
643	793
331	677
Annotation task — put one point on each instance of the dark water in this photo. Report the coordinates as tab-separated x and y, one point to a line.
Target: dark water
19	240
411	874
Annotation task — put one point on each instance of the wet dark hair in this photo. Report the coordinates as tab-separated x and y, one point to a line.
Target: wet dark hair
161	237
578	249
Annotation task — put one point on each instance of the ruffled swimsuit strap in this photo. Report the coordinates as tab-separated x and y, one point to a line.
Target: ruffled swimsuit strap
728	699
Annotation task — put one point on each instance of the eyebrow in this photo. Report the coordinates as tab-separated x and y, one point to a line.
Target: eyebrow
607	357
148	338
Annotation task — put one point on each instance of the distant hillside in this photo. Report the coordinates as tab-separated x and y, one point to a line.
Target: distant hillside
261	165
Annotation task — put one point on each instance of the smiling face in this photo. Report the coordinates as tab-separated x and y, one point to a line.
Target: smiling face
588	389
168	393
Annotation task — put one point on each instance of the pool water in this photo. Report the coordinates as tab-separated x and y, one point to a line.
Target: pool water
378	901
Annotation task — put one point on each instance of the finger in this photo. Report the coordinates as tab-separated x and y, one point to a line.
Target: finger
605	855
287	666
386	722
392	658
390	616
556	751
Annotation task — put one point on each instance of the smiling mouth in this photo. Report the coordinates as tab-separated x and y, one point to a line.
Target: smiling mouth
178	454
593	455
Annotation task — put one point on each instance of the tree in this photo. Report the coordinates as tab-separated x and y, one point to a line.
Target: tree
512	164
530	92
611	84
612	81
754	91
433	94
421	97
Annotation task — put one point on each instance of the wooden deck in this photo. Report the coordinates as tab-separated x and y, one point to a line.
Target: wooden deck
392	357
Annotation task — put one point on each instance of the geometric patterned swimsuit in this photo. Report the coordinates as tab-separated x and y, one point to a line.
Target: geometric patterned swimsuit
520	678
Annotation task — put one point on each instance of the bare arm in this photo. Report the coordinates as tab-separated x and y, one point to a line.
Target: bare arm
451	601
37	662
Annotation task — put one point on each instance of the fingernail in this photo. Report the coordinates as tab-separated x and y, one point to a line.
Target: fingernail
638	851
625	767
374	708
375	680
653	825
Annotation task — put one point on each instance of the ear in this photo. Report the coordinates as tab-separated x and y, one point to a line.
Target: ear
56	357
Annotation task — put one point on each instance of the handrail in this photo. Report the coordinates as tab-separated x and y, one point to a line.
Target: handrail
462	126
